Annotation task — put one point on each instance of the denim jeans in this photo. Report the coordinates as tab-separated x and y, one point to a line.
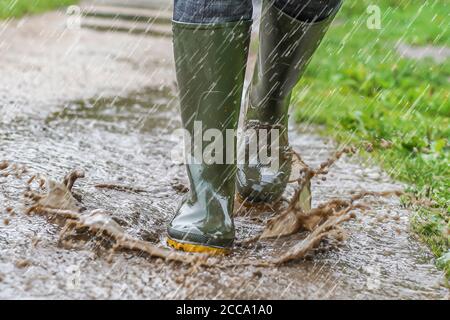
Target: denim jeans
219	11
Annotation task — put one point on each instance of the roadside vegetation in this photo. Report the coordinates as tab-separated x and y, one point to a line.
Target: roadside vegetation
362	91
19	8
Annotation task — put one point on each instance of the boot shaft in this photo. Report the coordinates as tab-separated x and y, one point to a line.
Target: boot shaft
210	62
286	46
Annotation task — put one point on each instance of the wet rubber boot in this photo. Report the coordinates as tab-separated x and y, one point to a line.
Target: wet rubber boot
286	46
210	66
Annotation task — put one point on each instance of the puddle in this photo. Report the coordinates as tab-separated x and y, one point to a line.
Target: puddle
60	203
372	254
149	111
123	146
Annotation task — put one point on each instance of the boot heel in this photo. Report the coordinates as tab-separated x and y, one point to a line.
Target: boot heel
197	248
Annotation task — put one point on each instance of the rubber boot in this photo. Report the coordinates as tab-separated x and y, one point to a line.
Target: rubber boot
286	46
210	66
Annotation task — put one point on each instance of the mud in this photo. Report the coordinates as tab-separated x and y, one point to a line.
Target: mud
59	203
122	141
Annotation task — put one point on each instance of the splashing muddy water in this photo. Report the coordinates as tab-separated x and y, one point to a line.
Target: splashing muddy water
59	203
379	257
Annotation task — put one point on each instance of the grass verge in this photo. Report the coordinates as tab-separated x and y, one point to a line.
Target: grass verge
19	8
361	89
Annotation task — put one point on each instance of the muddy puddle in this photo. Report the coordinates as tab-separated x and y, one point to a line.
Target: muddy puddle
372	254
115	132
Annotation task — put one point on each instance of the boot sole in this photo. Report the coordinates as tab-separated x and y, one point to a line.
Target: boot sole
196	247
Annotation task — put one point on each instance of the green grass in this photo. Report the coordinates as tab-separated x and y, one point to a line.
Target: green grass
361	90
19	8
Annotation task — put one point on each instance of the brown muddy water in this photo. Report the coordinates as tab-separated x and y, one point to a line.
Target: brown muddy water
125	140
379	259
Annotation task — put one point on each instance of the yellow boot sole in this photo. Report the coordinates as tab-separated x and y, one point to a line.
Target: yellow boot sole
197	248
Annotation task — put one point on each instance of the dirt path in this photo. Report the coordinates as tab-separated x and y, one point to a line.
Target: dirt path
104	102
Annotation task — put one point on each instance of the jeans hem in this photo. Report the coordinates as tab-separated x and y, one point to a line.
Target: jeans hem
210	26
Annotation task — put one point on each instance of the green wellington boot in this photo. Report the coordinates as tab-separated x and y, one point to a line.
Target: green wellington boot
210	65
286	46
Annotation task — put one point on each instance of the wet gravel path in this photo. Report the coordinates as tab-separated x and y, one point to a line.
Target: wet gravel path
104	102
